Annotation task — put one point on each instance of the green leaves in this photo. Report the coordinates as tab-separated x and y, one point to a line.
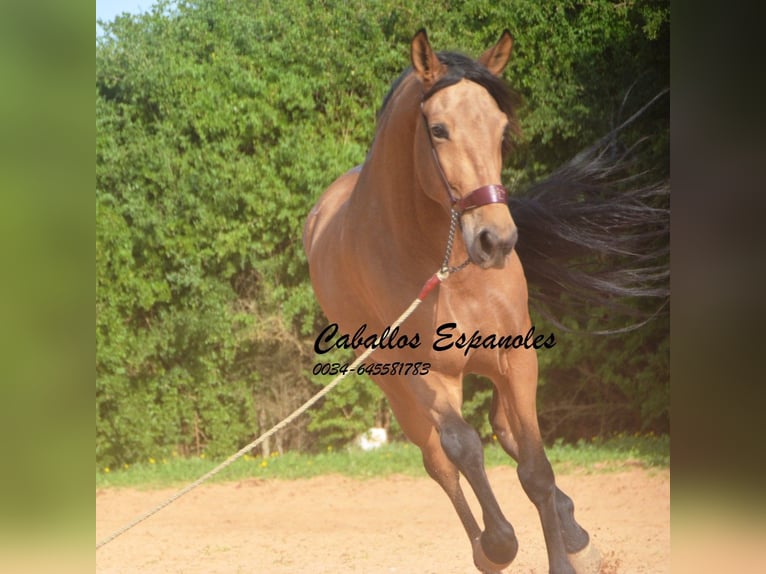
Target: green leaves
220	122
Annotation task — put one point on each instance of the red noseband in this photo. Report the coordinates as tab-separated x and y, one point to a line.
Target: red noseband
481	196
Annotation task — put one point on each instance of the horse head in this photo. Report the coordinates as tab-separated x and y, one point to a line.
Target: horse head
468	121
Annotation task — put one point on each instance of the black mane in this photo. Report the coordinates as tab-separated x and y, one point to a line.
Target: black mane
460	67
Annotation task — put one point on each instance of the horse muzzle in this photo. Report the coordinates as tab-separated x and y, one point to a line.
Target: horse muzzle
490	248
488	239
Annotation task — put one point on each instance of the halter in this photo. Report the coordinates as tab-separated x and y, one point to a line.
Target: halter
484	195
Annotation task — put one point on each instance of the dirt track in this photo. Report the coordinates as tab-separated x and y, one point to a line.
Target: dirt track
398	524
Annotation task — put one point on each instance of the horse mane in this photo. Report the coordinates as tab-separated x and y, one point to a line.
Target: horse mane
461	67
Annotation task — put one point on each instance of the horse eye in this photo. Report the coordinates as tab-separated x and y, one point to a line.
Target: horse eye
439	131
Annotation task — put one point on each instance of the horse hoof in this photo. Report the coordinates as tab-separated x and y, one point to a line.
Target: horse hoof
587	560
484	564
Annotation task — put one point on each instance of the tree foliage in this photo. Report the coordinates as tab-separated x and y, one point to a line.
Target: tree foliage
219	122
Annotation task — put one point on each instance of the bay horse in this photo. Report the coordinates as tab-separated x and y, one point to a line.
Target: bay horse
373	239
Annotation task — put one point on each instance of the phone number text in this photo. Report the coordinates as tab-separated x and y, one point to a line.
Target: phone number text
373	369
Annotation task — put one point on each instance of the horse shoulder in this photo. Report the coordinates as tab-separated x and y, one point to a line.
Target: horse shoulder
327	206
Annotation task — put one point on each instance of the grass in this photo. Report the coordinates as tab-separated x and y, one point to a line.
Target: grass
598	455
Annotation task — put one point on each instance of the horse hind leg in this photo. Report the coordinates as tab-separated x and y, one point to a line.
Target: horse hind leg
583	556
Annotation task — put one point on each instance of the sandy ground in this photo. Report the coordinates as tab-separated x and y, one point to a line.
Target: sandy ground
397	524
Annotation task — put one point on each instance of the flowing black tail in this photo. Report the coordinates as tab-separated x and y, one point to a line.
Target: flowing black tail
592	237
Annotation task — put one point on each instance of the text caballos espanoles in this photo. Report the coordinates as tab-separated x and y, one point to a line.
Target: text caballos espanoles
446	337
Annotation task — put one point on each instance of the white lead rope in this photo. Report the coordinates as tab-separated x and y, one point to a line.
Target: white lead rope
429	285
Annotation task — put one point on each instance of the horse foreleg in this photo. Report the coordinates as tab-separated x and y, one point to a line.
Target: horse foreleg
446	474
429	413
421	431
576	538
496	547
513	414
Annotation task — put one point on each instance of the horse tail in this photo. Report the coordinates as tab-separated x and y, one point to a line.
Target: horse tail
594	237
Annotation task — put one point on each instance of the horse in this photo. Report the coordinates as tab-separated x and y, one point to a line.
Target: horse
429	197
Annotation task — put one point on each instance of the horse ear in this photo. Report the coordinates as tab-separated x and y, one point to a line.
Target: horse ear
498	55
424	60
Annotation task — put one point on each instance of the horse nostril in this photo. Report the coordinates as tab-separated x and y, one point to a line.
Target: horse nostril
492	245
487	241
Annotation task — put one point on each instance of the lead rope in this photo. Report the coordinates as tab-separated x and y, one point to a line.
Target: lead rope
442	274
430	284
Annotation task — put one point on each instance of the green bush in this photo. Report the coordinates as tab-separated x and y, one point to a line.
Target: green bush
219	123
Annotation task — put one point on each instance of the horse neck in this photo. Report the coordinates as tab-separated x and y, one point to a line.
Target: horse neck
388	200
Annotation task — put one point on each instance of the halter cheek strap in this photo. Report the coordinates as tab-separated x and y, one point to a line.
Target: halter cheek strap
484	195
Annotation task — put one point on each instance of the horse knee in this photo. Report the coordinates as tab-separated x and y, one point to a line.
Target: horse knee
537	480
461	443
